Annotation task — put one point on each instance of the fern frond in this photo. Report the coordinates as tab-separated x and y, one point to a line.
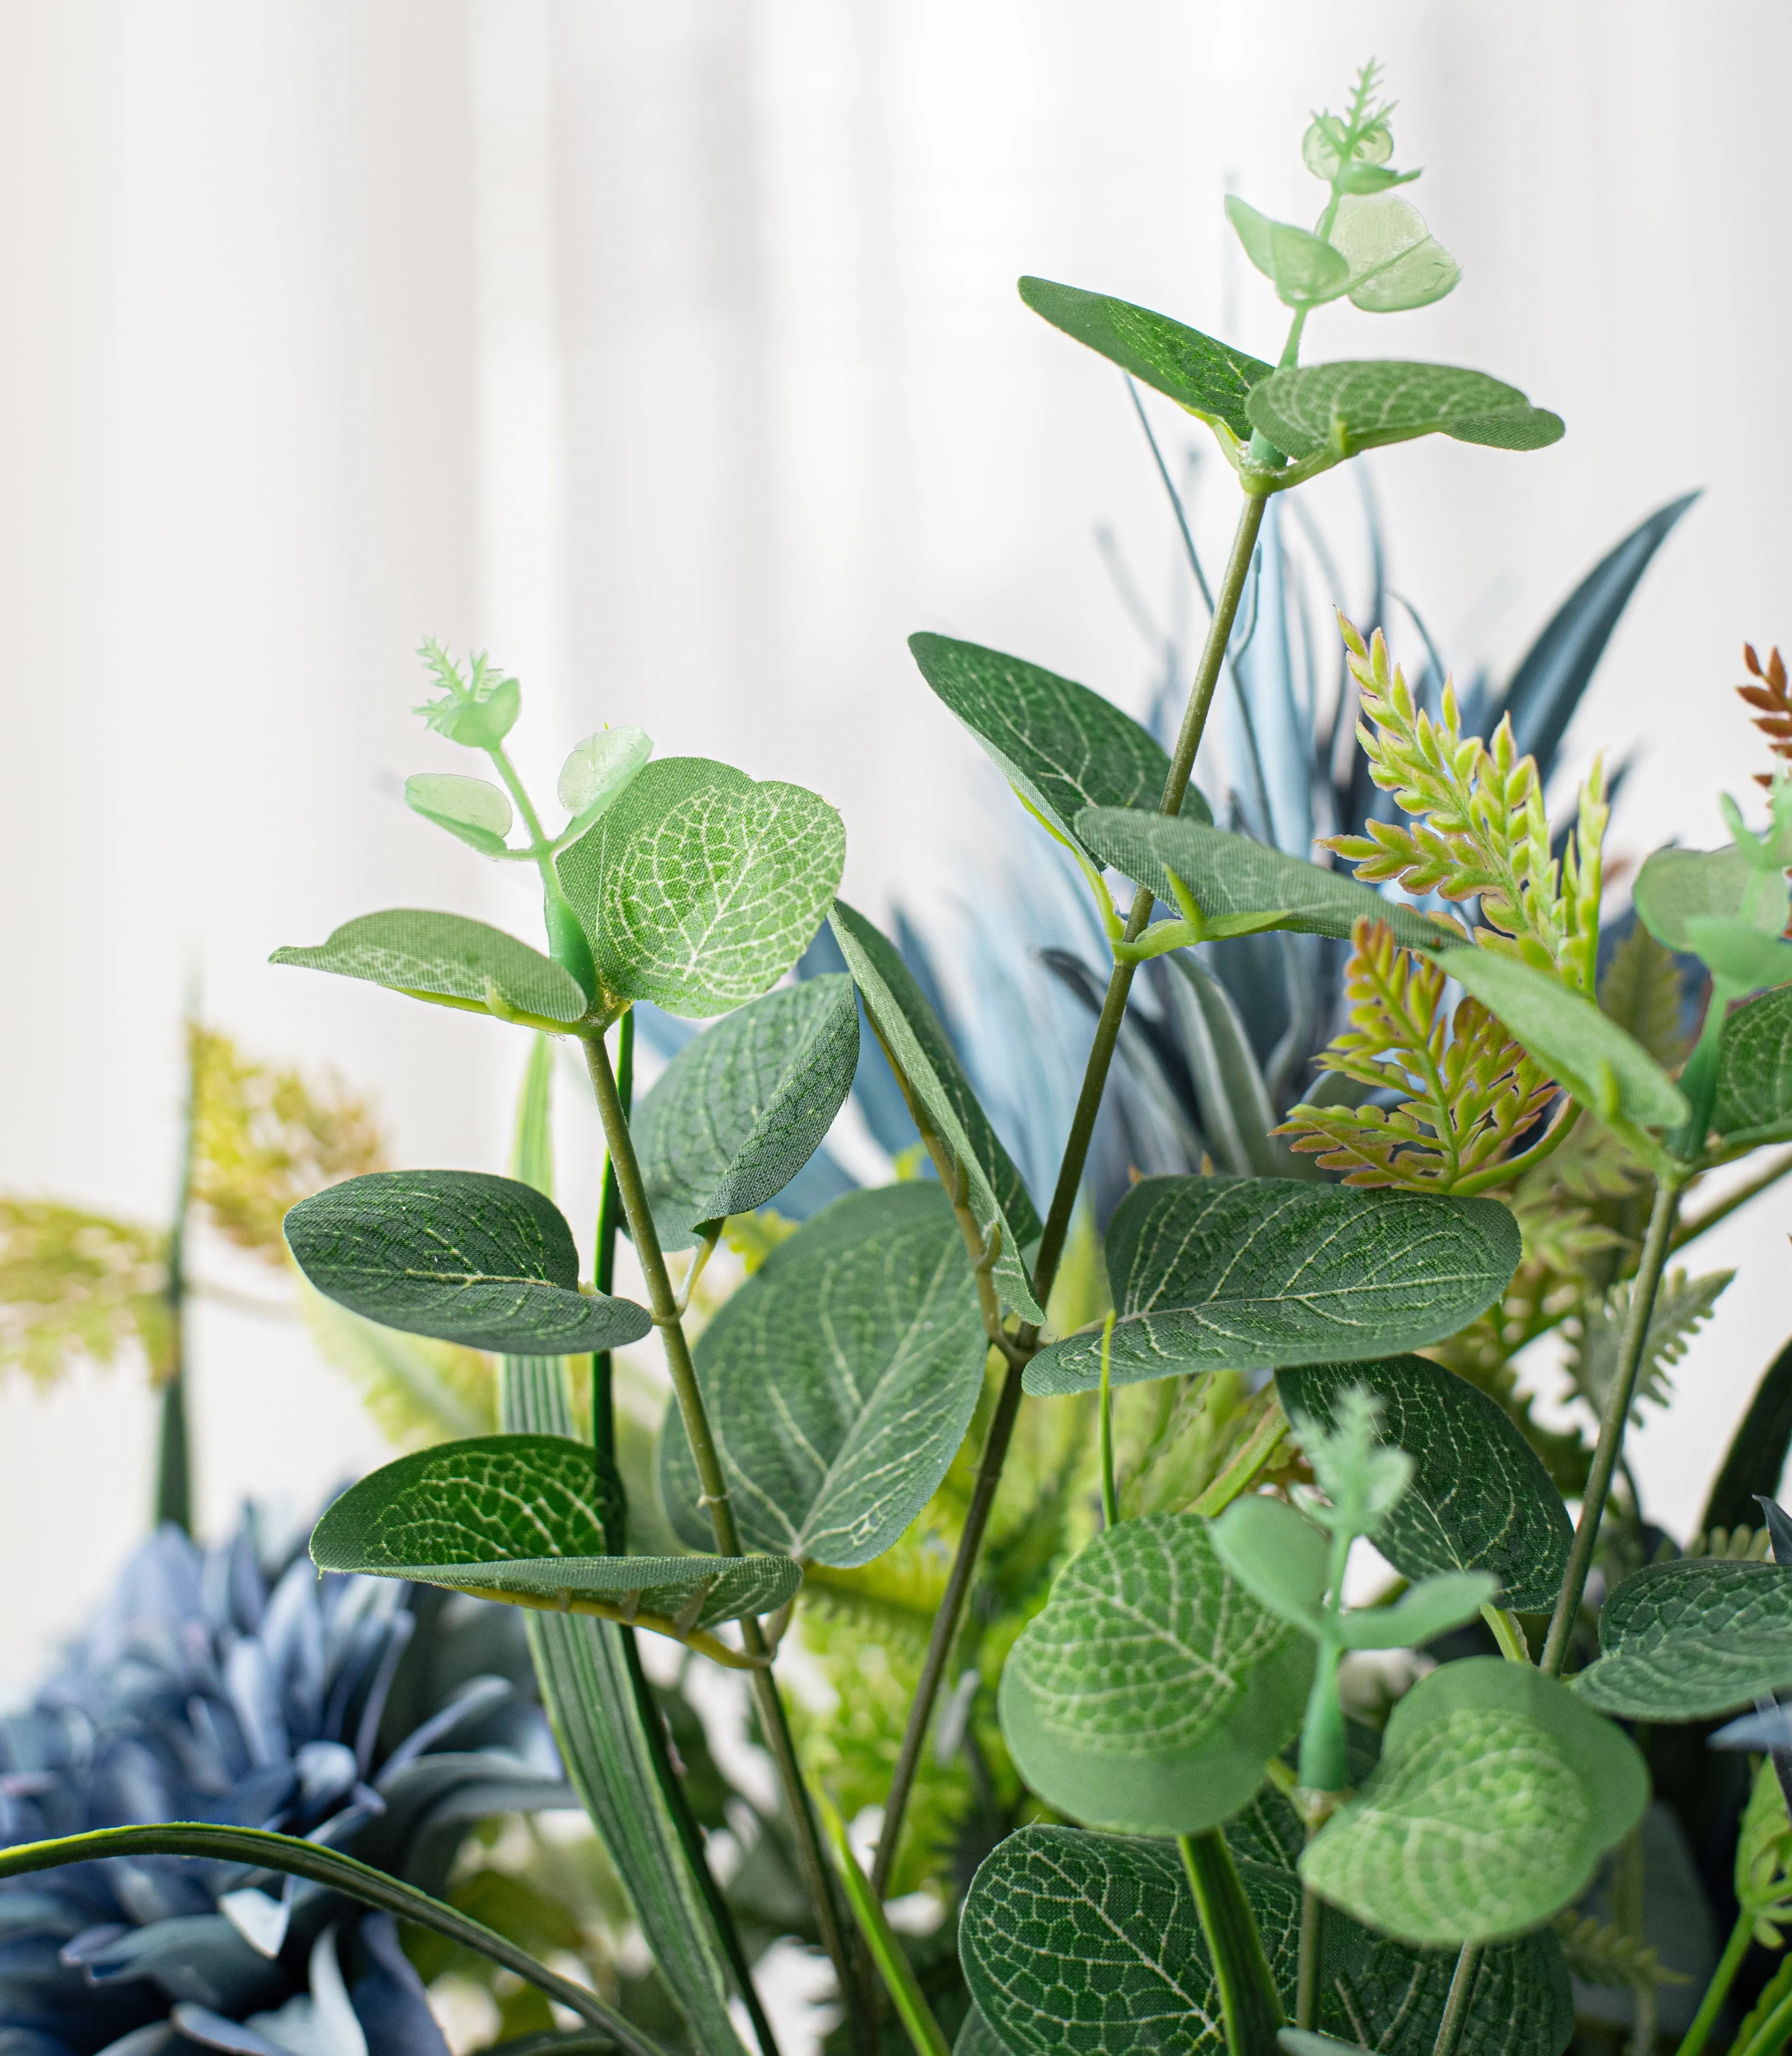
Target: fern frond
1770	694
78	1284
1641	992
1598	1954
1682	1306
1773	1995
1732	1545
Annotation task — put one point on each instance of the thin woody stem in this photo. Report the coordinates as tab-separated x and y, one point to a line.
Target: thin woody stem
1063	1205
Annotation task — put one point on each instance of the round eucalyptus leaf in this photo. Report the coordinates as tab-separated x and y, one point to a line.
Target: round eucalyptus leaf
1395	262
599	769
1683	1642
445	956
1323	146
1754	1070
1348	407
1149	1693
1497	1793
1303	269
472	809
1676	888
1737	953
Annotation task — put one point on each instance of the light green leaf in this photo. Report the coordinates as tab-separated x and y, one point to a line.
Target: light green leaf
840	1380
1608	1072
738	1111
1062	746
1279	1556
1497	1793
459	1255
530	1517
1432	1607
1676	888
1150	1693
1348	407
911	1030
1682	1306
1304	270
1210	379
598	770
445	956
700	888
1245	1274
1738	954
1082	1944
1754	1071
1395	262
1479	1498
1327	139
472	809
1229	875
1685	1641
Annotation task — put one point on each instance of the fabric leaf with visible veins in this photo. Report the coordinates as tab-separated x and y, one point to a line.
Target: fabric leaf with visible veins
1685	1641
840	1380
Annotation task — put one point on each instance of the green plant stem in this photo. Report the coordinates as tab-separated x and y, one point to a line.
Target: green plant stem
603	1261
1612	1425
1312	1957
1455	2006
1696	1225
174	1448
1063	1205
1718	1990
1246	1462
1249	2000
898	1976
774	1723
1110	1497
261	1850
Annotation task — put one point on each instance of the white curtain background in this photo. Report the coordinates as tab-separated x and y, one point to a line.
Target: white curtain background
673	353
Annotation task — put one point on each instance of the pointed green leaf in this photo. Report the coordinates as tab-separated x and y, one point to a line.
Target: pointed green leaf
738	1111
1754	1071
1229	875
1480	1499
1497	1793
1062	746
530	1516
911	1030
1245	1274
840	1380
459	1255
1151	1691
1677	888
445	956
1081	1944
699	888
1304	270
1349	407
471	809
1210	379
1395	262
1608	1072
1683	1642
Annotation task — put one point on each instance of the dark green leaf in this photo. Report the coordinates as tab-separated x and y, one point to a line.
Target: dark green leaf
1349	407
445	956
1640	989
1210	379
1754	1070
977	2038
459	1255
1480	1499
1150	1693
738	1111
1303	269
1245	1274
1229	875
700	888
1497	1793
911	1030
1062	746
1080	1944
1681	1642
840	1380
530	1516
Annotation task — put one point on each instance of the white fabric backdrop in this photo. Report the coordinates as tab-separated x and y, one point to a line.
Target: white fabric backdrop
673	352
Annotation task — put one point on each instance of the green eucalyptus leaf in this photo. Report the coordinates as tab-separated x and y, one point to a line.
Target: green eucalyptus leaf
1245	1274
699	887
1279	1556
1479	1498
840	1380
1062	746
1150	1693
1210	379
911	1031
1395	262
1685	1641
598	770
1497	1793
445	956
1230	876
1607	1071
1304	268
530	1517
1754	1070
1737	953
1083	1944
1348	407
1677	888
472	809
739	1111
1327	143
1430	1608
459	1255
482	720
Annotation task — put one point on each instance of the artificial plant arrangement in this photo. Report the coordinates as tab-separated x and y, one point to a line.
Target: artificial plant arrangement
1394	1893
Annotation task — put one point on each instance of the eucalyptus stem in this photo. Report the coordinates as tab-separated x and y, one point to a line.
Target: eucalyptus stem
1613	1422
1249	2001
1063	1205
603	1259
774	1723
1455	2006
1311	1957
